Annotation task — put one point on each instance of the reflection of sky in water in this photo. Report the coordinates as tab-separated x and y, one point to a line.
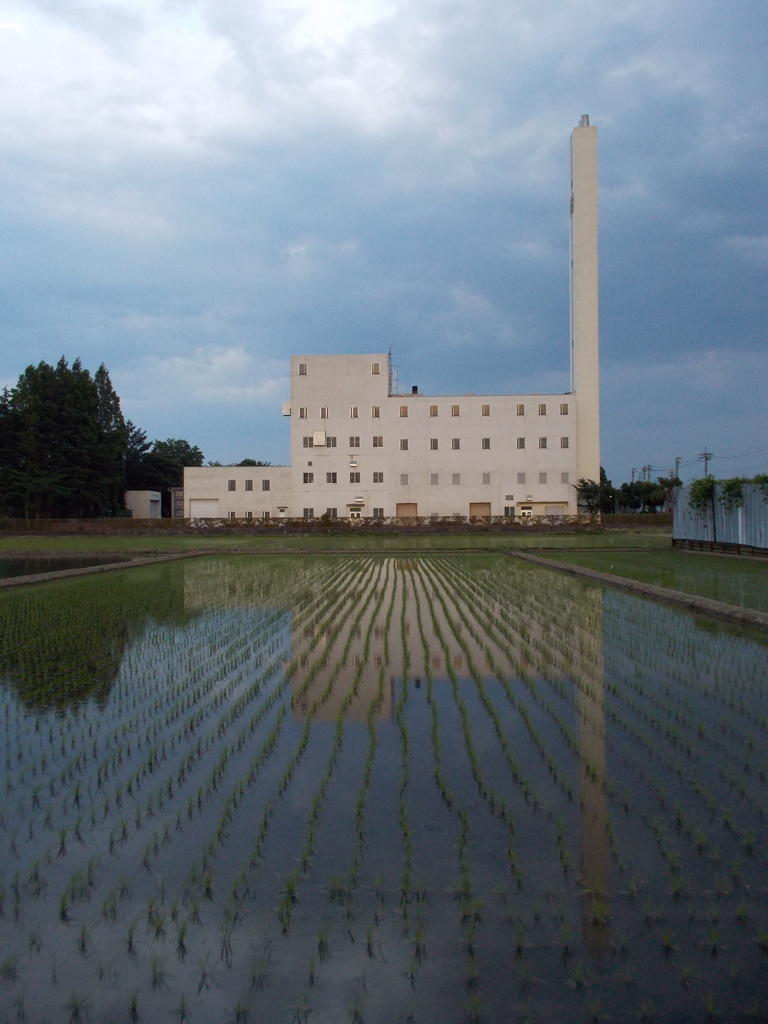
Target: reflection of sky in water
264	722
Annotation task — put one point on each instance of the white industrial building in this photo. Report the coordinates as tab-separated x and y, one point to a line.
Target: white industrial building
360	448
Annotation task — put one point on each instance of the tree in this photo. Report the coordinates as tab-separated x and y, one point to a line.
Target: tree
62	443
174	454
596	497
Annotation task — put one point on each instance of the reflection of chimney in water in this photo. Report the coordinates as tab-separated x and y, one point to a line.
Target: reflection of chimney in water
590	716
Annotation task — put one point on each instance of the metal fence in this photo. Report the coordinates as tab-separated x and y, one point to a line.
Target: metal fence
722	525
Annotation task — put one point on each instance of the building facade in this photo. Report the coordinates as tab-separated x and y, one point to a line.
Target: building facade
360	448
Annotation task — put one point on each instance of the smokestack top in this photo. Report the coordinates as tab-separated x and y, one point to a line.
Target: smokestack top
584	122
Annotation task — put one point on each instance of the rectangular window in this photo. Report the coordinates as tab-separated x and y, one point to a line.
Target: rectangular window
354	442
323	412
378	441
455	443
521	442
375	412
486	411
231	515
249	515
456	478
354	478
486	478
308	442
542	442
565	478
378	478
433	444
332	512
354	412
403	411
330	442
309	513
231	485
542	408
521	409
330	478
563	408
433	410
542	478
309	478
564	443
303	412
249	485
509	510
374	368
265	515
302	369
403	444
403	479
434	478
454	410
521	478
265	485
378	513
485	443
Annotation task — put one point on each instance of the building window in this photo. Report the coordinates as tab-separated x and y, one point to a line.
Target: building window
521	478
403	479
486	478
456	478
354	412
454	410
434	478
542	408
542	478
303	412
403	444
509	510
455	443
375	412
231	515
231	485
249	485
330	478
354	442
521	442
485	443
265	515
309	513
308	442
486	410
542	442
403	411
563	408
433	444
378	478
309	478
433	410
565	478
521	409
323	412
332	512
302	369
374	368
330	442
265	485
378	513
378	441
354	478
564	442
249	515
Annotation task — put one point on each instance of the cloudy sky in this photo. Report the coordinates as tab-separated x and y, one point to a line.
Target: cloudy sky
193	190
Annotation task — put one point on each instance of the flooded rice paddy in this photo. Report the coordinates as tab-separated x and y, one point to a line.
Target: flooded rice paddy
428	790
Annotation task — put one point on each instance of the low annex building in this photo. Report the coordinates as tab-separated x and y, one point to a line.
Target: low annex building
360	448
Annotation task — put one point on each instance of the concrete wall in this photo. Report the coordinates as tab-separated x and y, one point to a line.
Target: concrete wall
144	504
237	492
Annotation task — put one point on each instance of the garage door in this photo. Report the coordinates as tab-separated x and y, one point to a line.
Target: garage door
406	509
203	508
479	509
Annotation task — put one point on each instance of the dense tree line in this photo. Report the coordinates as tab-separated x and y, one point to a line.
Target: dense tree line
66	450
637	496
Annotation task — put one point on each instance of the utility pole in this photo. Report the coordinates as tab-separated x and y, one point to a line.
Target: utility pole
633	474
704	457
678	460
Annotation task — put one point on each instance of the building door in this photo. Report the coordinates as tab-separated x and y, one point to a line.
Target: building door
479	510
406	509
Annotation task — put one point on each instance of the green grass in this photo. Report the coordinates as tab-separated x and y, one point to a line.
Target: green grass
738	581
161	543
